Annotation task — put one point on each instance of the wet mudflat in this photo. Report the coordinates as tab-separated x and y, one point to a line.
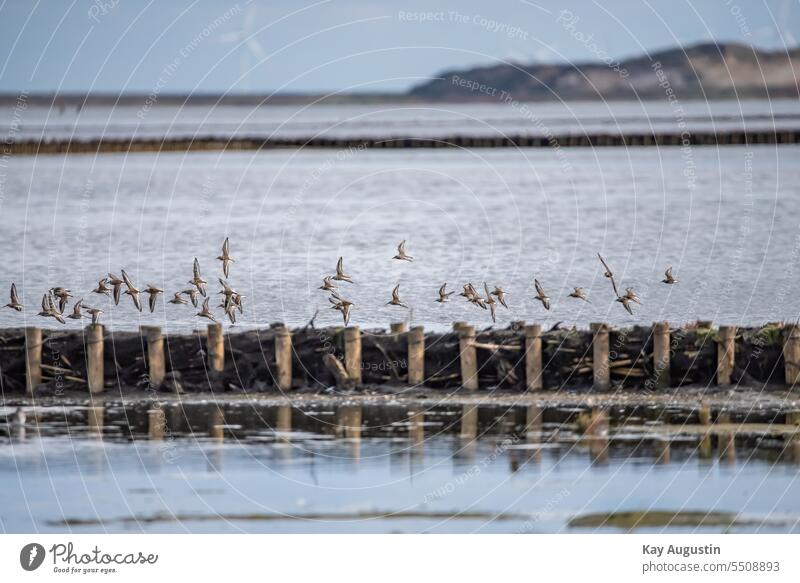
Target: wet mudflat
341	465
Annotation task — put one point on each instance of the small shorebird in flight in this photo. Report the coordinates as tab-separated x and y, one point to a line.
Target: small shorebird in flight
192	293
197	280
607	273
395	301
95	312
49	309
501	295
401	252
230	311
132	291
177	299
444	295
153	292
340	274
236	300
489	301
326	284
540	295
63	295
205	312
472	296
116	283
14	304
631	295
578	294
228	292
341	304
668	276
76	314
226	257
102	288
626	303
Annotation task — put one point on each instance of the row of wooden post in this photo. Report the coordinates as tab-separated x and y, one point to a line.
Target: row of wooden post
156	362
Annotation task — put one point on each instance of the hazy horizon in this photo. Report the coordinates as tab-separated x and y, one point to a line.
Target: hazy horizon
251	46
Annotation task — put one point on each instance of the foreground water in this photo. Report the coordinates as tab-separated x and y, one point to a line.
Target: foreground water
724	218
388	469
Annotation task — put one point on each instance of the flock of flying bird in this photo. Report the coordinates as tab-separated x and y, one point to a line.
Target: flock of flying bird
487	301
56	300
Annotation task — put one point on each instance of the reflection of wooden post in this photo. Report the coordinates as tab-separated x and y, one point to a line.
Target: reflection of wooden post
663	450
468	357
352	353
704	417
33	359
727	447
661	348
156	365
284	420
216	348
156	422
94	419
469	422
416	355
791	355
216	423
348	422
597	430
283	358
533	357
725	354
600	347
94	358
397	327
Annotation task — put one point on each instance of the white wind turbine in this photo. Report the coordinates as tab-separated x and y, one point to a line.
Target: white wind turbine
250	44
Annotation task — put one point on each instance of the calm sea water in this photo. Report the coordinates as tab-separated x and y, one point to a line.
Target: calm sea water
382	119
407	475
724	218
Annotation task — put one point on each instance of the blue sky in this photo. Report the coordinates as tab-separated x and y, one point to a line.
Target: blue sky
189	46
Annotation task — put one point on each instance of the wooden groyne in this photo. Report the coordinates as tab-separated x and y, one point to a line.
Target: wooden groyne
213	143
521	358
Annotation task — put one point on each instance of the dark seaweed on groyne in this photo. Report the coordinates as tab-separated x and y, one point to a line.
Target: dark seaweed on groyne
517	358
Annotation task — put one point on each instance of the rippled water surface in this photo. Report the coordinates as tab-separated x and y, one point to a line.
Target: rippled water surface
390	469
725	218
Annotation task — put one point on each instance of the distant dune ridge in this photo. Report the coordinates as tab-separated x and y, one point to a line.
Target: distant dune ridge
705	70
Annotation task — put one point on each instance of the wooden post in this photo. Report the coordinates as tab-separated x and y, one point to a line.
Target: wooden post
416	356
533	357
791	355
661	360
352	353
397	327
725	354
95	376
33	359
215	345
283	358
156	422
469	357
600	347
156	365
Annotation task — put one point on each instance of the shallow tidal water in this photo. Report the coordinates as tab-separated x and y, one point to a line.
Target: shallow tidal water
724	218
413	474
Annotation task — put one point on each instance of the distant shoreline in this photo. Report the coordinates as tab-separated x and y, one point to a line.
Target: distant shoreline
586	140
